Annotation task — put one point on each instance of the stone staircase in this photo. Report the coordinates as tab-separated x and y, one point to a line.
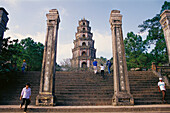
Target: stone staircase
144	88
10	94
84	88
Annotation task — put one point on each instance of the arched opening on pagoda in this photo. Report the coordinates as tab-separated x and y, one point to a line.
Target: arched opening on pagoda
83	53
84	65
84	44
83	35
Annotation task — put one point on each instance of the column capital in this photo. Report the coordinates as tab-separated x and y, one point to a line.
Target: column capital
53	17
165	17
115	18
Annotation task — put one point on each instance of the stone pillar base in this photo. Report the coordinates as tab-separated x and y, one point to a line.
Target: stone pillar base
122	99
45	100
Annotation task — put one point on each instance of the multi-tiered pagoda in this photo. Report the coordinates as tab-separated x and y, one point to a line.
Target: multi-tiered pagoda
84	52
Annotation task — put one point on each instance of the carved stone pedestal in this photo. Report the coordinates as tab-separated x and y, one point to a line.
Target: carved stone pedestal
122	99
45	100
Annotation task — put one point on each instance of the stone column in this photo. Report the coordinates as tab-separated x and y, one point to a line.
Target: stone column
122	94
165	22
3	23
46	92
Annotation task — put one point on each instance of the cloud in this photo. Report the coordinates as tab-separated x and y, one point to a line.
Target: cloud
16	27
63	11
64	51
143	34
11	3
103	44
38	37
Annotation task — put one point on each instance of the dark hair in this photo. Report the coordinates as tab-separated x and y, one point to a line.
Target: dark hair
101	64
28	84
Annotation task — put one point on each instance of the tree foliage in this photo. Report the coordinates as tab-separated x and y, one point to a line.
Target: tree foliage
155	36
13	52
135	51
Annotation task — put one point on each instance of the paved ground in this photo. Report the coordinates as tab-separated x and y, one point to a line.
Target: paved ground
164	108
95	112
73	107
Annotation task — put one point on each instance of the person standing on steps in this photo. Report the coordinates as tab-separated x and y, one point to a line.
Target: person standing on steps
25	97
95	66
109	65
24	64
102	71
162	88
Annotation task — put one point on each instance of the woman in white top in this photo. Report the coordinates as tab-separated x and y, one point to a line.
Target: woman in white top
162	88
25	96
102	71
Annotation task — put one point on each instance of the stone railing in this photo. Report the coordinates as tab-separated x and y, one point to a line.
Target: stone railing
162	71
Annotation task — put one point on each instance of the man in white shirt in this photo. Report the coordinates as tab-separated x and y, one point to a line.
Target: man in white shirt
102	71
162	88
25	96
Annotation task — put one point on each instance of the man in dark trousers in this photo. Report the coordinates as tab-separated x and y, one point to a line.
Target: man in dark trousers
102	70
23	66
109	65
25	97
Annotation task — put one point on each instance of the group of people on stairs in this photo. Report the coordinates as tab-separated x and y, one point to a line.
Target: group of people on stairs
102	67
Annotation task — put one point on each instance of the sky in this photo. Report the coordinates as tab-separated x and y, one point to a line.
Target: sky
27	18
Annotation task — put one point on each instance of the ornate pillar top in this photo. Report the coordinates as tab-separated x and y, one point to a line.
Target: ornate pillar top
53	17
1	8
165	12
165	16
115	17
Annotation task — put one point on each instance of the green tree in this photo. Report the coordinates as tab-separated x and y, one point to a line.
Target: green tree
32	52
13	52
135	51
7	61
155	36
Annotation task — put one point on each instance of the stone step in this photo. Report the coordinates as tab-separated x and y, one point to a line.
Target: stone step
82	86
145	102
84	103
14	102
91	109
144	92
144	89
83	96
92	93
